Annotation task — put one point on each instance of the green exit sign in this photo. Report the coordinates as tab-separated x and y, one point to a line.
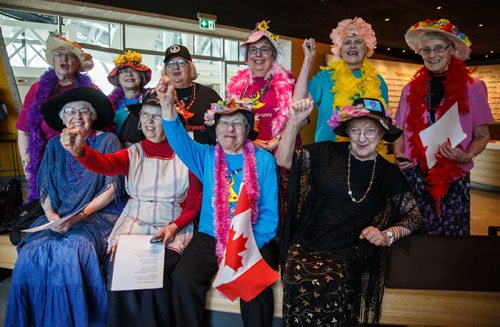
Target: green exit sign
207	24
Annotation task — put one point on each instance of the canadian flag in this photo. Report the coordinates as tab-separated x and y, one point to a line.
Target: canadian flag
243	272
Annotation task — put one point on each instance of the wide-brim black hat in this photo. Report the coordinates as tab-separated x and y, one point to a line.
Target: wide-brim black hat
377	112
50	109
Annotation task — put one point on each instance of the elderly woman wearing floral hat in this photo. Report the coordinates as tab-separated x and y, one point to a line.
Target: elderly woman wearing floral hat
348	77
68	61
129	78
266	82
191	99
222	169
442	191
270	87
345	203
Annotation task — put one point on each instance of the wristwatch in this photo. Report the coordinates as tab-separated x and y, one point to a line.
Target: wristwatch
390	236
24	163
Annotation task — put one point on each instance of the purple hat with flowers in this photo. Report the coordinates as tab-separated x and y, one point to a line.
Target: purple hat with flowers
444	26
229	107
364	107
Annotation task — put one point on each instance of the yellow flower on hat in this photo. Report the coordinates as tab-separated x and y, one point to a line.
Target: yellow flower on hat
129	57
263	26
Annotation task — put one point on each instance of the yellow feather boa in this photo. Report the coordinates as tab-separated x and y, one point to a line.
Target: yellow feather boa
347	88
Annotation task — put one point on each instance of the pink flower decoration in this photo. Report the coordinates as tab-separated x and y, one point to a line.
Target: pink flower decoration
346	113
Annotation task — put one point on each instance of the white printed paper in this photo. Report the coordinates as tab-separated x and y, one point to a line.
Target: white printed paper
137	264
50	225
447	127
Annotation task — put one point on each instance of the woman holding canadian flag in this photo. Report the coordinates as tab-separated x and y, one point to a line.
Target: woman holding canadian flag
238	247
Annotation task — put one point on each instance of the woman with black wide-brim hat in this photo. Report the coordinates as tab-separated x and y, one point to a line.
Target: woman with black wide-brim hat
58	277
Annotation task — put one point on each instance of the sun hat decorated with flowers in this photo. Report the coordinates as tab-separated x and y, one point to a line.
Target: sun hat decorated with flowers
59	42
262	30
364	107
131	59
350	27
444	26
229	107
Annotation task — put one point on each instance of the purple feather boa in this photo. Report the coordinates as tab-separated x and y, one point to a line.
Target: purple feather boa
36	145
116	96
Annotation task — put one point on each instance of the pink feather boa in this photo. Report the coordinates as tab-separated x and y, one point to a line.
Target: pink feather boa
283	84
221	193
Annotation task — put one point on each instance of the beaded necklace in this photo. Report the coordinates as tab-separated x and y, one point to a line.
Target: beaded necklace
349	179
74	170
259	94
181	106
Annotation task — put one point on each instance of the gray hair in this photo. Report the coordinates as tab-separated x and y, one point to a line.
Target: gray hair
73	103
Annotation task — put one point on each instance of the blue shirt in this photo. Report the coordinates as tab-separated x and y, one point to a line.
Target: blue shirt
320	88
199	158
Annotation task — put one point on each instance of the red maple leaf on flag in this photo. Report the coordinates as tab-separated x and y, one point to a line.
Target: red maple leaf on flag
233	248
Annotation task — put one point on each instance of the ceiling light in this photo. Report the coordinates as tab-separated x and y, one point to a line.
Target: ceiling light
480	25
491	51
388	49
439	7
387	19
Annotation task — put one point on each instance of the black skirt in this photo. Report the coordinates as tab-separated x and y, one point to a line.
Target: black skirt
144	307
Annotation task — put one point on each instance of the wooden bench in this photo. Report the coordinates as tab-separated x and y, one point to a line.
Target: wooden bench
8	252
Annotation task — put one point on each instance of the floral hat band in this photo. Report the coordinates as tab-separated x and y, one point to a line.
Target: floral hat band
59	42
444	26
364	107
131	59
229	107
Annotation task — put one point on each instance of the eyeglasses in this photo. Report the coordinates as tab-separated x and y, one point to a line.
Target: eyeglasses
127	70
58	54
237	124
178	63
265	50
71	112
437	49
148	115
369	133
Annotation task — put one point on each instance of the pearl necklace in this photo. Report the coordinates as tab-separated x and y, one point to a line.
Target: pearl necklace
349	179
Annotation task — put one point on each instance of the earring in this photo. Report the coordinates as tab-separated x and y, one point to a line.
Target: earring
139	127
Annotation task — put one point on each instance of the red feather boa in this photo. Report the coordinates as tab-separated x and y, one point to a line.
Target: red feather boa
445	172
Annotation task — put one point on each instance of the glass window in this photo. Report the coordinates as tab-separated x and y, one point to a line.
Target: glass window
209	73
231	50
207	46
25	35
232	69
155	39
106	35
